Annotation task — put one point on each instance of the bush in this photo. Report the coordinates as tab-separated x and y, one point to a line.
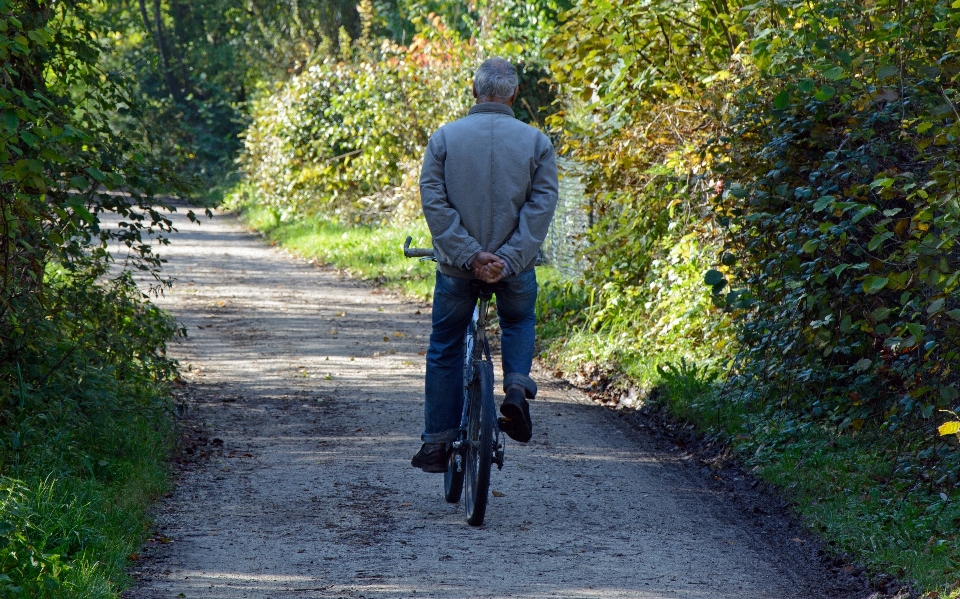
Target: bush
840	210
344	140
85	432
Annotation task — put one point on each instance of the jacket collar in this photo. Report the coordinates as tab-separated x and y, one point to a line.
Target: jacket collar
495	107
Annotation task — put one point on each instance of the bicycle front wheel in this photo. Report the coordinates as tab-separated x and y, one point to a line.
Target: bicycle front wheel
480	443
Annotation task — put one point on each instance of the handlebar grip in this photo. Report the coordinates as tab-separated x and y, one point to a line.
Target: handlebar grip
415	252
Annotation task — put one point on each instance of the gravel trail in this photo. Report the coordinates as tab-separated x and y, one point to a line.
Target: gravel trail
306	387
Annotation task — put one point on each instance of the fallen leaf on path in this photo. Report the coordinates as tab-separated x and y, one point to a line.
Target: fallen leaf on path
498	494
359	430
386	338
422	352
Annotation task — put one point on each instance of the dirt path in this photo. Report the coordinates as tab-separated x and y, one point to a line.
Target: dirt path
309	389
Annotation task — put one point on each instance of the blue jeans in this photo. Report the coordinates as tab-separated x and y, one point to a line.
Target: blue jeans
453	303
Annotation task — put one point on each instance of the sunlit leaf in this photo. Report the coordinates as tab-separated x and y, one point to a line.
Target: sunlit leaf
874	284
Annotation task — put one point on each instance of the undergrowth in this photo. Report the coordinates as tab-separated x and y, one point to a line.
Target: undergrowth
85	432
871	494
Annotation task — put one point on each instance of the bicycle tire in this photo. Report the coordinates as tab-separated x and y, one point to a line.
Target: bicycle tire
452	480
480	440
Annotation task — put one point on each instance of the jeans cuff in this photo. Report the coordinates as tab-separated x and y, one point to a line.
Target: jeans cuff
447	436
515	378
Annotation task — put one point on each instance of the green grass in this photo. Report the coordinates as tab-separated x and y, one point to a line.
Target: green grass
367	253
86	430
845	486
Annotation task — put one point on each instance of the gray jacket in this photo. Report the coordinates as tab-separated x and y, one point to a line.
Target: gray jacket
489	183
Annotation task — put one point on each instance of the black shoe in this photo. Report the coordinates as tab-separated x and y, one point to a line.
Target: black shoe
432	458
516	416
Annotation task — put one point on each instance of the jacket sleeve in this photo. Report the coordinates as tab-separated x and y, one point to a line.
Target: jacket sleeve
521	248
451	242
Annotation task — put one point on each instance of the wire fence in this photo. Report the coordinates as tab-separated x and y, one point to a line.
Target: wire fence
565	246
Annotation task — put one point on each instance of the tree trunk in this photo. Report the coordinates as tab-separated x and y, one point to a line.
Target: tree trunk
159	40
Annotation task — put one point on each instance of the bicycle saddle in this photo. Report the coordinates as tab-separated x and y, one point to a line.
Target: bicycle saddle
485	290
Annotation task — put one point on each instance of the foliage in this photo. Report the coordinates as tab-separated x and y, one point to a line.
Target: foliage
643	96
841	212
344	140
85	432
62	166
84	419
830	131
195	64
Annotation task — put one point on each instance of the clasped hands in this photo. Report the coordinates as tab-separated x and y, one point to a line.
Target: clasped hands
488	267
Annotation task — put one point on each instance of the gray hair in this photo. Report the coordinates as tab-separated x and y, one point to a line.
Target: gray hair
496	78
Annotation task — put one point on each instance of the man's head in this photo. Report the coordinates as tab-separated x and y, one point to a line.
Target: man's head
495	81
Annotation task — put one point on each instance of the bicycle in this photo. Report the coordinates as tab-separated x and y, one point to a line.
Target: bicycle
480	443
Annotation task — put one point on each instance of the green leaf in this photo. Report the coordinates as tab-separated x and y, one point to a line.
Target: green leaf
782	100
878	239
862	364
713	277
811	246
924	127
805	85
899	280
823	203
96	173
936	306
863	213
834	73
948	392
888	71
915	329
825	93
80	210
874	284
949	428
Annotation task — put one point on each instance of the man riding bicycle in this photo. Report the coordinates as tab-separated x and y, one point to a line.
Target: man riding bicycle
488	188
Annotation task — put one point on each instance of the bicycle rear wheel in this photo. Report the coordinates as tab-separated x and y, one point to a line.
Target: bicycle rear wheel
453	480
480	443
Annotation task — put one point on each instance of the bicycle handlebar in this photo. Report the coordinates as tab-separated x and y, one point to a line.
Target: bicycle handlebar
415	252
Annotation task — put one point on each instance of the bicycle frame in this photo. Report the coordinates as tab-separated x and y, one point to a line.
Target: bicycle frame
476	348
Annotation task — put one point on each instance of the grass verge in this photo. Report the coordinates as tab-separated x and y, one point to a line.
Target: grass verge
86	433
364	252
